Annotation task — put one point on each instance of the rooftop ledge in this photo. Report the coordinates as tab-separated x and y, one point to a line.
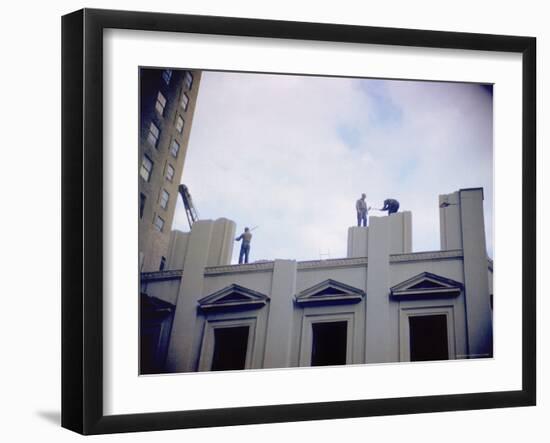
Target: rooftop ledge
263	266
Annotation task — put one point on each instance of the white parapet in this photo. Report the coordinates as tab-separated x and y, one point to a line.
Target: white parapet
221	245
450	226
399	233
177	249
358	241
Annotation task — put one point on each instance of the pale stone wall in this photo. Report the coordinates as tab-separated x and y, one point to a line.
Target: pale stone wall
463	227
281	327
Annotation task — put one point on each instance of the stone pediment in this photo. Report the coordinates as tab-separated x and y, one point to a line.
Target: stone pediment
154	304
329	291
233	297
427	284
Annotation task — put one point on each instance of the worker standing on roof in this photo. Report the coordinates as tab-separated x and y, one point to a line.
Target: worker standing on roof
361	209
246	236
391	205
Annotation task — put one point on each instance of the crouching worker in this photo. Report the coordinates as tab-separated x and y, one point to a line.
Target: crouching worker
390	205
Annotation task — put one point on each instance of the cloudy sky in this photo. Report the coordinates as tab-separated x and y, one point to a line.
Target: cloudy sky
292	154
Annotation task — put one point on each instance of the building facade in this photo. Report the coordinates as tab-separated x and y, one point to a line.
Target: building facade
167	104
381	303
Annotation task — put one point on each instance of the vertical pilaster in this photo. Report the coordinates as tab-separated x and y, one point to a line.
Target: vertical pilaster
180	358
476	280
377	340
281	311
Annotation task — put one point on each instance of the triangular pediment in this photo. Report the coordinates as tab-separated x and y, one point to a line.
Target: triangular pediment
154	304
427	284
330	291
235	297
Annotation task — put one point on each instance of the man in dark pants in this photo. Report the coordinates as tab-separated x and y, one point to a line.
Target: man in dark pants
390	205
361	208
246	236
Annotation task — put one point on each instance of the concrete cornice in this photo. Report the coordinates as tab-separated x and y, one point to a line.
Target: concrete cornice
428	255
305	265
249	267
332	263
161	275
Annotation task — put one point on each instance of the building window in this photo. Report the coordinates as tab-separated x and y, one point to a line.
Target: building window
230	346
161	103
142	199
153	136
164	197
428	337
175	148
188	79
159	223
329	343
184	101
146	168
167	75
170	172
428	333
179	123
162	263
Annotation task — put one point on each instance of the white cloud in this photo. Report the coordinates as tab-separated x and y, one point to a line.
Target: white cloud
292	154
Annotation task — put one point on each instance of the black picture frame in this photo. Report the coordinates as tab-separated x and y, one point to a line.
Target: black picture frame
82	215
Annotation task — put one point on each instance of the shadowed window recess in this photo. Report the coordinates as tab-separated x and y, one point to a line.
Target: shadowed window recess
428	338
159	223
161	103
184	101
230	345
170	171
188	80
175	148
179	123
329	343
146	168
164	199
167	75
153	135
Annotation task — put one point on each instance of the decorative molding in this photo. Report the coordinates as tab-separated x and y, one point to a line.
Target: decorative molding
233	296
332	263
161	275
329	291
427	284
248	267
429	255
308	264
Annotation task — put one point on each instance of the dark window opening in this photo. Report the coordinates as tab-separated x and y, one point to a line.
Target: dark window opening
230	346
329	343
149	343
428	338
162	263
142	199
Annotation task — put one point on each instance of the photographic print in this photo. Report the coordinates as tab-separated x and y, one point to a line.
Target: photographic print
293	221
313	207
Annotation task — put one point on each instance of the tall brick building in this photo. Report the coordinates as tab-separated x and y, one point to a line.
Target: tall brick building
167	103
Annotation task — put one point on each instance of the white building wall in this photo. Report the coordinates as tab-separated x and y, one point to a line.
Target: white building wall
378	323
